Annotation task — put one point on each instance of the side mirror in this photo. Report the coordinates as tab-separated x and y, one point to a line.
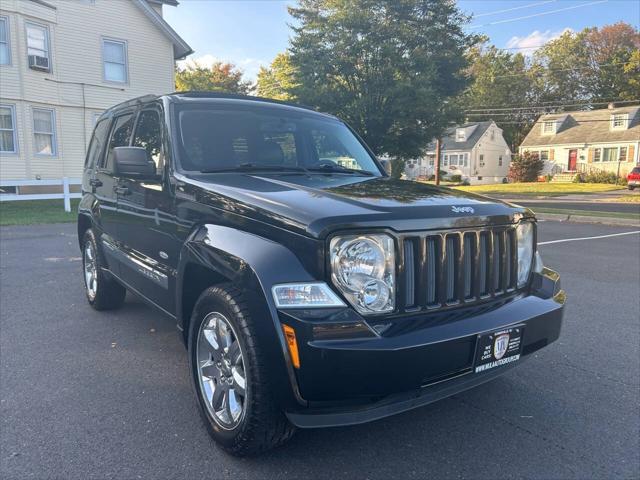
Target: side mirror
133	162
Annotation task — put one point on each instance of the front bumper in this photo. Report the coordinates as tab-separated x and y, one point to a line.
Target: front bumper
355	380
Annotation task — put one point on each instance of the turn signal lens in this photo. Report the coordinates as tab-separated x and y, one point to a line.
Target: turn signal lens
292	344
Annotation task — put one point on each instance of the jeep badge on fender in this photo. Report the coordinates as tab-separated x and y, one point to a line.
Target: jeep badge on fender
309	287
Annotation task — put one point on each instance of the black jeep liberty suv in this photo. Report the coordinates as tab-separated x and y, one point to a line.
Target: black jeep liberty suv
311	289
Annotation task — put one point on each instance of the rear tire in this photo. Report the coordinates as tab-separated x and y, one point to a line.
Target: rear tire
229	376
103	292
631	187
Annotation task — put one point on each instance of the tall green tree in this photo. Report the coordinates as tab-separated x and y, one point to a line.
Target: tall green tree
589	65
220	77
500	80
278	81
390	69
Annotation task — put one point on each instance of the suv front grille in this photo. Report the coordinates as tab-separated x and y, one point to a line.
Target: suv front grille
447	269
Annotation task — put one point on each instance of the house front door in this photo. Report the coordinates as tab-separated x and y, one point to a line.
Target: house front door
573	160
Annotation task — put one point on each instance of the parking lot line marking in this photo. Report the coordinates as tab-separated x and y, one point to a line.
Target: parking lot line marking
589	238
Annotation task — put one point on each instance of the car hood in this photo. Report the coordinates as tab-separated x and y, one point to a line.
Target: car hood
318	204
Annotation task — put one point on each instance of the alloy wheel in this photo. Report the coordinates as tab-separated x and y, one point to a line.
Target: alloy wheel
90	270
221	371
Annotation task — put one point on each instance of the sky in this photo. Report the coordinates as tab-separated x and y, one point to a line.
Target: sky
250	33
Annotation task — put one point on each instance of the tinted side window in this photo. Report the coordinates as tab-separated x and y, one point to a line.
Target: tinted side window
96	147
120	135
148	135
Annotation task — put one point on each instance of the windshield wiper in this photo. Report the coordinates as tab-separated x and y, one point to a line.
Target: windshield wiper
340	169
251	167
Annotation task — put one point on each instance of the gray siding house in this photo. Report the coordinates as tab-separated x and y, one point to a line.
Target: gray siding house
476	151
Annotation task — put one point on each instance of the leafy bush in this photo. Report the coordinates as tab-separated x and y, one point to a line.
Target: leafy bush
525	168
579	178
602	177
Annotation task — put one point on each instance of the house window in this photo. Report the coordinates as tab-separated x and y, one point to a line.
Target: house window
500	161
432	160
5	48
622	156
619	121
548	127
38	42
493	134
44	136
8	140
114	55
461	135
482	160
453	160
596	155
445	161
609	154
544	155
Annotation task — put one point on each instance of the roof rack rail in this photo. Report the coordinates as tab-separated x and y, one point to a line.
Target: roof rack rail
133	101
212	94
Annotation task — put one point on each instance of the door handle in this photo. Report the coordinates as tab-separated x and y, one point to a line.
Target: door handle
94	182
122	190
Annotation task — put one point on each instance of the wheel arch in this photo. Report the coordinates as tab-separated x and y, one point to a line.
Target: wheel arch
215	254
84	224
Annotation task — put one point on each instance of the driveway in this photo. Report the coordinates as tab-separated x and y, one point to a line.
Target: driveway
106	395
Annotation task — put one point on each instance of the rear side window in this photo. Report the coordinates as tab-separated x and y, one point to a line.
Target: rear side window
635	170
148	135
120	136
98	140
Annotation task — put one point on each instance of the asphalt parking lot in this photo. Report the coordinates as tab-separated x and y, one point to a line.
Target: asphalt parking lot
106	395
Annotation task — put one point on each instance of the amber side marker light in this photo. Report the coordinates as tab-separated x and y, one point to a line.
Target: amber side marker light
290	336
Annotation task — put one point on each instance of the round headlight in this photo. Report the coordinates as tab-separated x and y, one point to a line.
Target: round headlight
358	257
363	269
374	295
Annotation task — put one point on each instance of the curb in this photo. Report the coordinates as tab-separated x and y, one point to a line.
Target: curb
561	217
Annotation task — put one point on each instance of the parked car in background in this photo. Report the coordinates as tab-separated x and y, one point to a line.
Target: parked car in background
308	293
633	178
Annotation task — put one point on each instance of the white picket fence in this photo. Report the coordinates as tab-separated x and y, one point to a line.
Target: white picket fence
66	195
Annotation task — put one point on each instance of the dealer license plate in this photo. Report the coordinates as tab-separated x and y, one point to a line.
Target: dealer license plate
498	348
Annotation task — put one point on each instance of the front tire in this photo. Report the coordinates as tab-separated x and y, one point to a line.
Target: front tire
103	292
631	187
229	376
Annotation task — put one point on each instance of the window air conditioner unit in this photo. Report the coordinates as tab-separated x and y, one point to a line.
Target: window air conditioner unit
37	62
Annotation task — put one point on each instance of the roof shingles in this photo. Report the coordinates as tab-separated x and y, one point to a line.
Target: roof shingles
586	127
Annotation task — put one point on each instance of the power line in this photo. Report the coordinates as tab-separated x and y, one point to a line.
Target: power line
533	113
531	107
496	12
549	12
572	69
603	102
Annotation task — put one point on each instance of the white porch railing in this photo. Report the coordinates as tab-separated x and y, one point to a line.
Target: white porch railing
66	194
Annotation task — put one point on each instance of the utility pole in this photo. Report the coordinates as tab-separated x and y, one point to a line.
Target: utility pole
437	162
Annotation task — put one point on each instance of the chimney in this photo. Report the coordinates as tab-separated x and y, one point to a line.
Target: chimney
611	106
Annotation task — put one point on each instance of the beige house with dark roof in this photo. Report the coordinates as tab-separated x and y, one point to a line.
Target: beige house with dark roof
606	139
62	63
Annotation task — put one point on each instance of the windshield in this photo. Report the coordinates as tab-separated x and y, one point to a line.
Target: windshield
215	138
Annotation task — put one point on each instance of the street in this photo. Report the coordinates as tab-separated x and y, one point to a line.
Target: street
107	395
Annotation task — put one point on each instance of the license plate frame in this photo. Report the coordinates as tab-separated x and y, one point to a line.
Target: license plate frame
497	348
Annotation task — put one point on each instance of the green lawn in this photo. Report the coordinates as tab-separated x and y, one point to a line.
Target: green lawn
37	211
540	188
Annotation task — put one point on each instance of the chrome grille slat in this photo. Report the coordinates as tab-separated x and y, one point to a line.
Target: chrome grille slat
450	268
